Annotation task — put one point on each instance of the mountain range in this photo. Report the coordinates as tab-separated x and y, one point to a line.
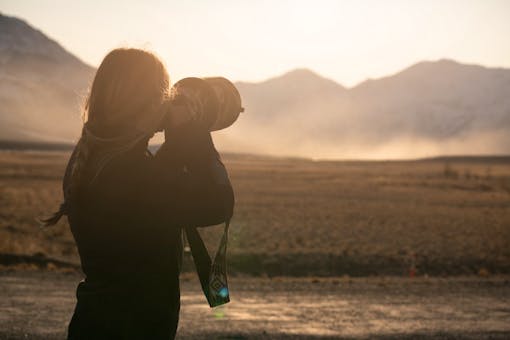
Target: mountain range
430	108
41	85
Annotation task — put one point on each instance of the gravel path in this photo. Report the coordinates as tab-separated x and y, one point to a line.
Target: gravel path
37	305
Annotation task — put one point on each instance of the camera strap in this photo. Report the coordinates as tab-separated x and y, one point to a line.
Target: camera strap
212	274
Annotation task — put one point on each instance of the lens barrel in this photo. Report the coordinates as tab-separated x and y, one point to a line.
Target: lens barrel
214	101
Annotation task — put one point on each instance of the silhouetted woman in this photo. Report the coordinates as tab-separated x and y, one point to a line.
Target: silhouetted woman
126	206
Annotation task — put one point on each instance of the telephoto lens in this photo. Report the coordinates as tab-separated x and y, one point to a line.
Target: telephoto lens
213	101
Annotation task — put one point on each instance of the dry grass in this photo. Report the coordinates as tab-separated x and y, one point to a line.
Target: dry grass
299	217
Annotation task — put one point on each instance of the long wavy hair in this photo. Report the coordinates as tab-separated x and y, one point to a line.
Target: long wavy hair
127	91
124	106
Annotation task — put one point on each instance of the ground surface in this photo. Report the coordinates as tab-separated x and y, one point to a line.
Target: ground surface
435	220
300	217
37	305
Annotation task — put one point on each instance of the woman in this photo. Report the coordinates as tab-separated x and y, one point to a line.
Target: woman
126	207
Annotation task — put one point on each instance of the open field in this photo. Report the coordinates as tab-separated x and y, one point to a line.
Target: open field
300	217
39	304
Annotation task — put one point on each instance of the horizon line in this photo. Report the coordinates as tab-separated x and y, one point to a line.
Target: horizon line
389	75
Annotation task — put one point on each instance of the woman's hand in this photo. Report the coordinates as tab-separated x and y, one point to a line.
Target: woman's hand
176	115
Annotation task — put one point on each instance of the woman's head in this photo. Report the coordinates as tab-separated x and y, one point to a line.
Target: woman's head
125	100
127	92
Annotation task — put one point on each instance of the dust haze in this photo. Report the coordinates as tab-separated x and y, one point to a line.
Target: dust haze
405	147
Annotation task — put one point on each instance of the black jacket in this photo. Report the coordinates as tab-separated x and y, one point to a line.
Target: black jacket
127	226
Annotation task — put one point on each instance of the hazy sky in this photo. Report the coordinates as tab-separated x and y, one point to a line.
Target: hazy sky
347	41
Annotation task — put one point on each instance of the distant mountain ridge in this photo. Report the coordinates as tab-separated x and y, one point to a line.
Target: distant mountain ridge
428	109
431	108
41	85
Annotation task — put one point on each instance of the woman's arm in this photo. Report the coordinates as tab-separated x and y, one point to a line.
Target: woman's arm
194	188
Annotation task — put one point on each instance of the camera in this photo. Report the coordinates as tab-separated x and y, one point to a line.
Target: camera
214	102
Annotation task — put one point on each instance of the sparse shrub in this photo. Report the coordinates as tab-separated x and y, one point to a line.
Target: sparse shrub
300	241
483	272
504	183
449	172
488	173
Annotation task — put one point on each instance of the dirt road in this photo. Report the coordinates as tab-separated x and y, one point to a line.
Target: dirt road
37	305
